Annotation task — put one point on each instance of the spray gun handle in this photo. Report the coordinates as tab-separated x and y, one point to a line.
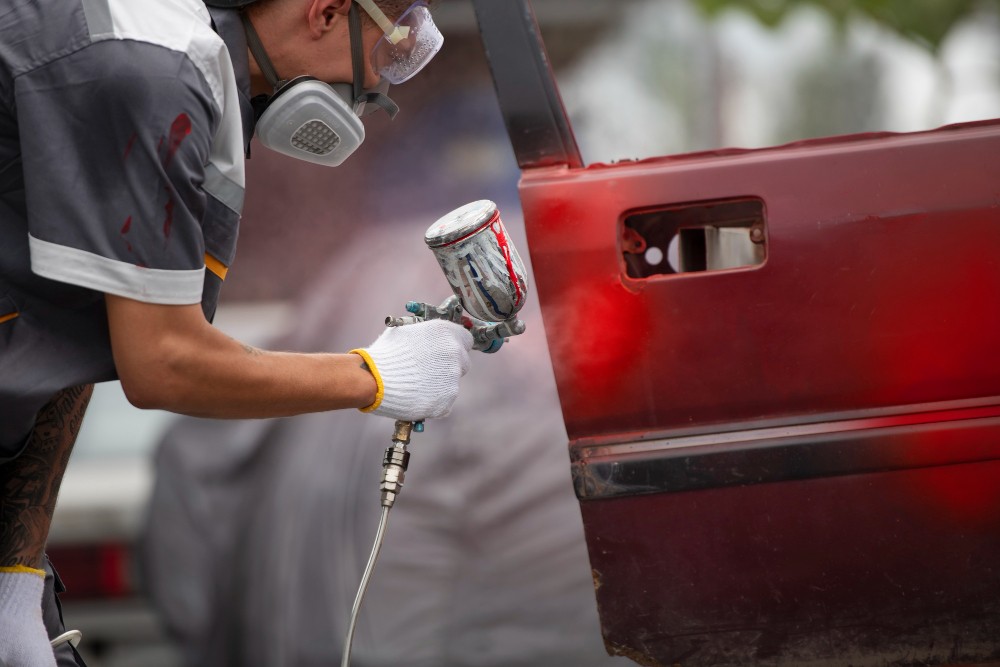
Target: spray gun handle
487	336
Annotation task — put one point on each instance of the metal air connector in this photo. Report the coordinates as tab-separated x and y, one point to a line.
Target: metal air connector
393	472
394	464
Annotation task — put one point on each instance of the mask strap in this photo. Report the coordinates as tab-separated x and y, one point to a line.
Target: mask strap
257	49
357	57
358	68
383	102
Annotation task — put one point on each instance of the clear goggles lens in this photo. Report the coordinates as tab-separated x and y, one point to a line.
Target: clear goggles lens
417	40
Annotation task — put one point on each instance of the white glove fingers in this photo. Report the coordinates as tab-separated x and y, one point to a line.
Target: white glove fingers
420	366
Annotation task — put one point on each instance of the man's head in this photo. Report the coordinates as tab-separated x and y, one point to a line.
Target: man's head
312	37
320	64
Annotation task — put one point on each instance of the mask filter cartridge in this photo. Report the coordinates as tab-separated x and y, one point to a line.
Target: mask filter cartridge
310	120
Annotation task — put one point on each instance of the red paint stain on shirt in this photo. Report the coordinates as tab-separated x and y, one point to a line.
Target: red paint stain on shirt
169	220
125	230
128	146
179	131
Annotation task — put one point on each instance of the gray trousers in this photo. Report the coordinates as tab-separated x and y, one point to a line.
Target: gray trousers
66	655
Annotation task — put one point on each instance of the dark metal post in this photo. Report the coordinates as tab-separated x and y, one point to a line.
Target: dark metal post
526	88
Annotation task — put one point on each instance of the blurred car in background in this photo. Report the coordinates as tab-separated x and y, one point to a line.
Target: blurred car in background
101	507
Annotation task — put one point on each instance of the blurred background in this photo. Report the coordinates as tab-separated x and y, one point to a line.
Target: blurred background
639	78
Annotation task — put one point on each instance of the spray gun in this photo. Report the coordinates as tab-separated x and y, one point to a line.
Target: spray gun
485	273
490	286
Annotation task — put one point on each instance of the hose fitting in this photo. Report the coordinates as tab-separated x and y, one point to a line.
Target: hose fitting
393	472
395	461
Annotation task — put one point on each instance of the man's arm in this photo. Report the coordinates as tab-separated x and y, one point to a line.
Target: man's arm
171	358
29	483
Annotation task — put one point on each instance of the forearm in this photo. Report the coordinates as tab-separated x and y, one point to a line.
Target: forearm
172	359
29	484
234	381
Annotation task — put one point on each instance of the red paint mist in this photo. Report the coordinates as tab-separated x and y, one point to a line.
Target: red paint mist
601	356
179	131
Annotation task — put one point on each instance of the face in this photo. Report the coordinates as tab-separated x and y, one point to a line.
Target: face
331	62
311	37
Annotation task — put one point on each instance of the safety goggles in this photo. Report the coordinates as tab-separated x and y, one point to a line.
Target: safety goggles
407	45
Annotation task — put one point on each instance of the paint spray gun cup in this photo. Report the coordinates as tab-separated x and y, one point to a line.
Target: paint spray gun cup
485	273
483	268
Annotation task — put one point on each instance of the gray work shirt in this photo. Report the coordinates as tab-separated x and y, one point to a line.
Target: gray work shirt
122	138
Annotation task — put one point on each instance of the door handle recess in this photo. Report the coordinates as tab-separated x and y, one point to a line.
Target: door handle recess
687	238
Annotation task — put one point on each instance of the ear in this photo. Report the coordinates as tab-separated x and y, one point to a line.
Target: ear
323	15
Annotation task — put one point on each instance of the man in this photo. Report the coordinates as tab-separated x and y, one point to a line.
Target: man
123	125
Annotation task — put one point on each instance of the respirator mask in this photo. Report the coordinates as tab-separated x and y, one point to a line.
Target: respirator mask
317	122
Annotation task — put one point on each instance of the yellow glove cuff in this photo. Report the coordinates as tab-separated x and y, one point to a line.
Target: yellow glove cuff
23	569
380	393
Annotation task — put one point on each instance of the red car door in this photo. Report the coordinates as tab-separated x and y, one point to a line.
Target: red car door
779	370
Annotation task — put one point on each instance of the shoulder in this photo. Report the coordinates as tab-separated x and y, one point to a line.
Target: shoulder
125	40
177	26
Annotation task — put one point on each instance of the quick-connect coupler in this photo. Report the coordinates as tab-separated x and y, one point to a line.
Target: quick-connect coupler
393	471
394	464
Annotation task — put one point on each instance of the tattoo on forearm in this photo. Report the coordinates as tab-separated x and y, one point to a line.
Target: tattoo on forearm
29	484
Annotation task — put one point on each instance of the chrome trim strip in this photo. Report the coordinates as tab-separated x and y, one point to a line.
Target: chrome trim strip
789	426
787	454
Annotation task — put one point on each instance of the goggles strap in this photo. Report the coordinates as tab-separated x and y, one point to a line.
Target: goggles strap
257	49
394	33
358	68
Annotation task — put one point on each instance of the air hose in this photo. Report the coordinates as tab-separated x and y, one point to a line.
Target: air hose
394	465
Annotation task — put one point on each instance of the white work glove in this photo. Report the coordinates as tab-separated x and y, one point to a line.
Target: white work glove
24	641
417	368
